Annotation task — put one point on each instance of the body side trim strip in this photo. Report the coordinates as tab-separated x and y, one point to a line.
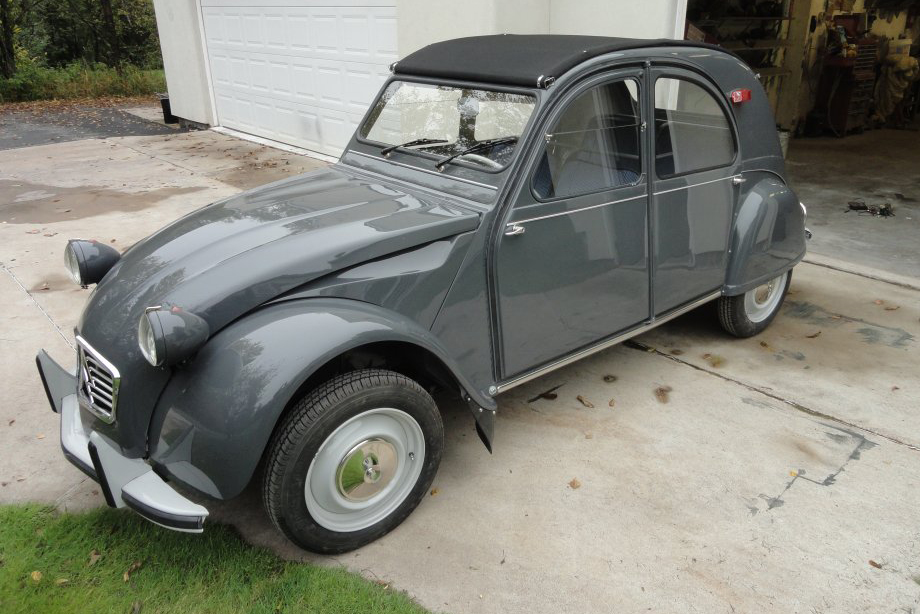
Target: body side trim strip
421	170
552	215
687	187
603	345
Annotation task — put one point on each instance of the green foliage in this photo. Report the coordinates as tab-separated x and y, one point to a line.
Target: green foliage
113	561
33	81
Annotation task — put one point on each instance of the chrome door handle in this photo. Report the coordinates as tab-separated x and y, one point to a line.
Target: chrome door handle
738	180
513	229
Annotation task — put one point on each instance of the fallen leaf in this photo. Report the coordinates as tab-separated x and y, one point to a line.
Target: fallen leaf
610	378
714	360
794	473
134	567
61	581
32	232
815	336
93	557
584	401
574	484
893	388
879	302
661	393
835	317
11	422
766	346
435	492
892	308
612	402
40	436
589	436
36	576
874	564
20	479
677	352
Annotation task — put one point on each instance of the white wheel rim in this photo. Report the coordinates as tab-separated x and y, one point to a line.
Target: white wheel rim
365	470
763	300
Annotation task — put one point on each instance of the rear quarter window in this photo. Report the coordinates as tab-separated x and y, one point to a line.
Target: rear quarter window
692	132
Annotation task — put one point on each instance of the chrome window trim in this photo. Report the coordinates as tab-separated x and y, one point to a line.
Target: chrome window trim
422	170
603	345
85	347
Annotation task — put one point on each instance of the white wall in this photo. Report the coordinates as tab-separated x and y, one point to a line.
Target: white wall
178	24
626	18
422	22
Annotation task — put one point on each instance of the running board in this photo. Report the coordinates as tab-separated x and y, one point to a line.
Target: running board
603	345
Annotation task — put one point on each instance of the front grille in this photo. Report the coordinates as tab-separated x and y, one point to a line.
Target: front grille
97	382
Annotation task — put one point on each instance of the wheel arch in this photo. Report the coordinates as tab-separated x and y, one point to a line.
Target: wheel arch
216	416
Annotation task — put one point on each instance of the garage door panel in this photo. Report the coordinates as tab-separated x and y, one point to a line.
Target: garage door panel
301	74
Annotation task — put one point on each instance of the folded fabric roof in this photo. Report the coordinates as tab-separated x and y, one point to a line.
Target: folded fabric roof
520	59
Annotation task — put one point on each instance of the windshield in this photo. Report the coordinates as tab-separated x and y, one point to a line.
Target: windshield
444	121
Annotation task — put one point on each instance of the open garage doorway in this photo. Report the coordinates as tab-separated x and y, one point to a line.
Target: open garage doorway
843	79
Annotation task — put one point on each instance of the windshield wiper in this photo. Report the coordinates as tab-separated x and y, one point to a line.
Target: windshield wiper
387	150
480	146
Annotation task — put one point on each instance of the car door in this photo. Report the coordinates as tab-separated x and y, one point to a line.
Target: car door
694	188
572	259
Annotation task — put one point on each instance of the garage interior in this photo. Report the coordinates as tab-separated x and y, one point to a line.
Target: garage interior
843	79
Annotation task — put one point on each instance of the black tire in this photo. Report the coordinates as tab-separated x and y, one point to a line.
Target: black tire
311	421
734	316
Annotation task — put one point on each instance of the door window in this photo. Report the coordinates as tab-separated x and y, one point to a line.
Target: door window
594	145
692	132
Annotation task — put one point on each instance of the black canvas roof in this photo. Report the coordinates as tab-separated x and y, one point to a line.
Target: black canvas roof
519	59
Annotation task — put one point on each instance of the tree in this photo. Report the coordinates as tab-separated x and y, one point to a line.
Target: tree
7	45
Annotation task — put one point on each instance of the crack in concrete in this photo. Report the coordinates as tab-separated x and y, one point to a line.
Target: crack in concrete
901	284
638	345
864	444
40	308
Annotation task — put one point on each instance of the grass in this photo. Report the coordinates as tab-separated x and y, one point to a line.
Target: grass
113	561
33	81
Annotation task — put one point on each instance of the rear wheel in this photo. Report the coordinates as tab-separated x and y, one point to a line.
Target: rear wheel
352	460
748	314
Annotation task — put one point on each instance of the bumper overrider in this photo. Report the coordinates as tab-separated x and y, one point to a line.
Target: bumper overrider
125	482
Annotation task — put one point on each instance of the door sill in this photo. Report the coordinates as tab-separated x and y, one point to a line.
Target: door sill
603	345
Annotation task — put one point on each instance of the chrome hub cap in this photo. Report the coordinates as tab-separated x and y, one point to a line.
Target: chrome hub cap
760	302
365	470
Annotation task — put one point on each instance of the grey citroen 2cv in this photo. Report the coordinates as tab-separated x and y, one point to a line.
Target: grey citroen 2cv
508	205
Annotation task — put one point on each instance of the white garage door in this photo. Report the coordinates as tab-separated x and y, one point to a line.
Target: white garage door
300	72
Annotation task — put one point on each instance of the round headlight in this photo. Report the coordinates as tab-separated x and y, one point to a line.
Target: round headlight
72	264
87	262
170	336
146	340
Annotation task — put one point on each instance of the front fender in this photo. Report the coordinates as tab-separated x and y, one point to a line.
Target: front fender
216	415
768	236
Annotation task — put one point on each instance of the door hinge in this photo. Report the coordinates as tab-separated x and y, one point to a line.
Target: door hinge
513	229
738	180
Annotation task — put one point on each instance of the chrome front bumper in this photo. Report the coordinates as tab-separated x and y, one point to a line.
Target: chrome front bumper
125	482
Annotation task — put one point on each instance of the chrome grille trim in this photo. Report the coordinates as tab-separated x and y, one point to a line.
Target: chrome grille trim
98	382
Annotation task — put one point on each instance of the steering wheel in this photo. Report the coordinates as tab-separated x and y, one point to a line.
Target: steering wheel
482	160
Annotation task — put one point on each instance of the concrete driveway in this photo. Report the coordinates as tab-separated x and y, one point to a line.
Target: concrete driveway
701	474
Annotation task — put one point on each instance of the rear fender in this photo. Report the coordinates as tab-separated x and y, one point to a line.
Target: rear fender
768	235
216	415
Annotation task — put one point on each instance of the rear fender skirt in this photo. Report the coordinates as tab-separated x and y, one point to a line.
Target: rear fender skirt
768	234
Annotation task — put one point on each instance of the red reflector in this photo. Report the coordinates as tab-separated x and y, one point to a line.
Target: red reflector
739	96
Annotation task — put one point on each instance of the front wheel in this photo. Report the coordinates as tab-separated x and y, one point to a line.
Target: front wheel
748	314
352	460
